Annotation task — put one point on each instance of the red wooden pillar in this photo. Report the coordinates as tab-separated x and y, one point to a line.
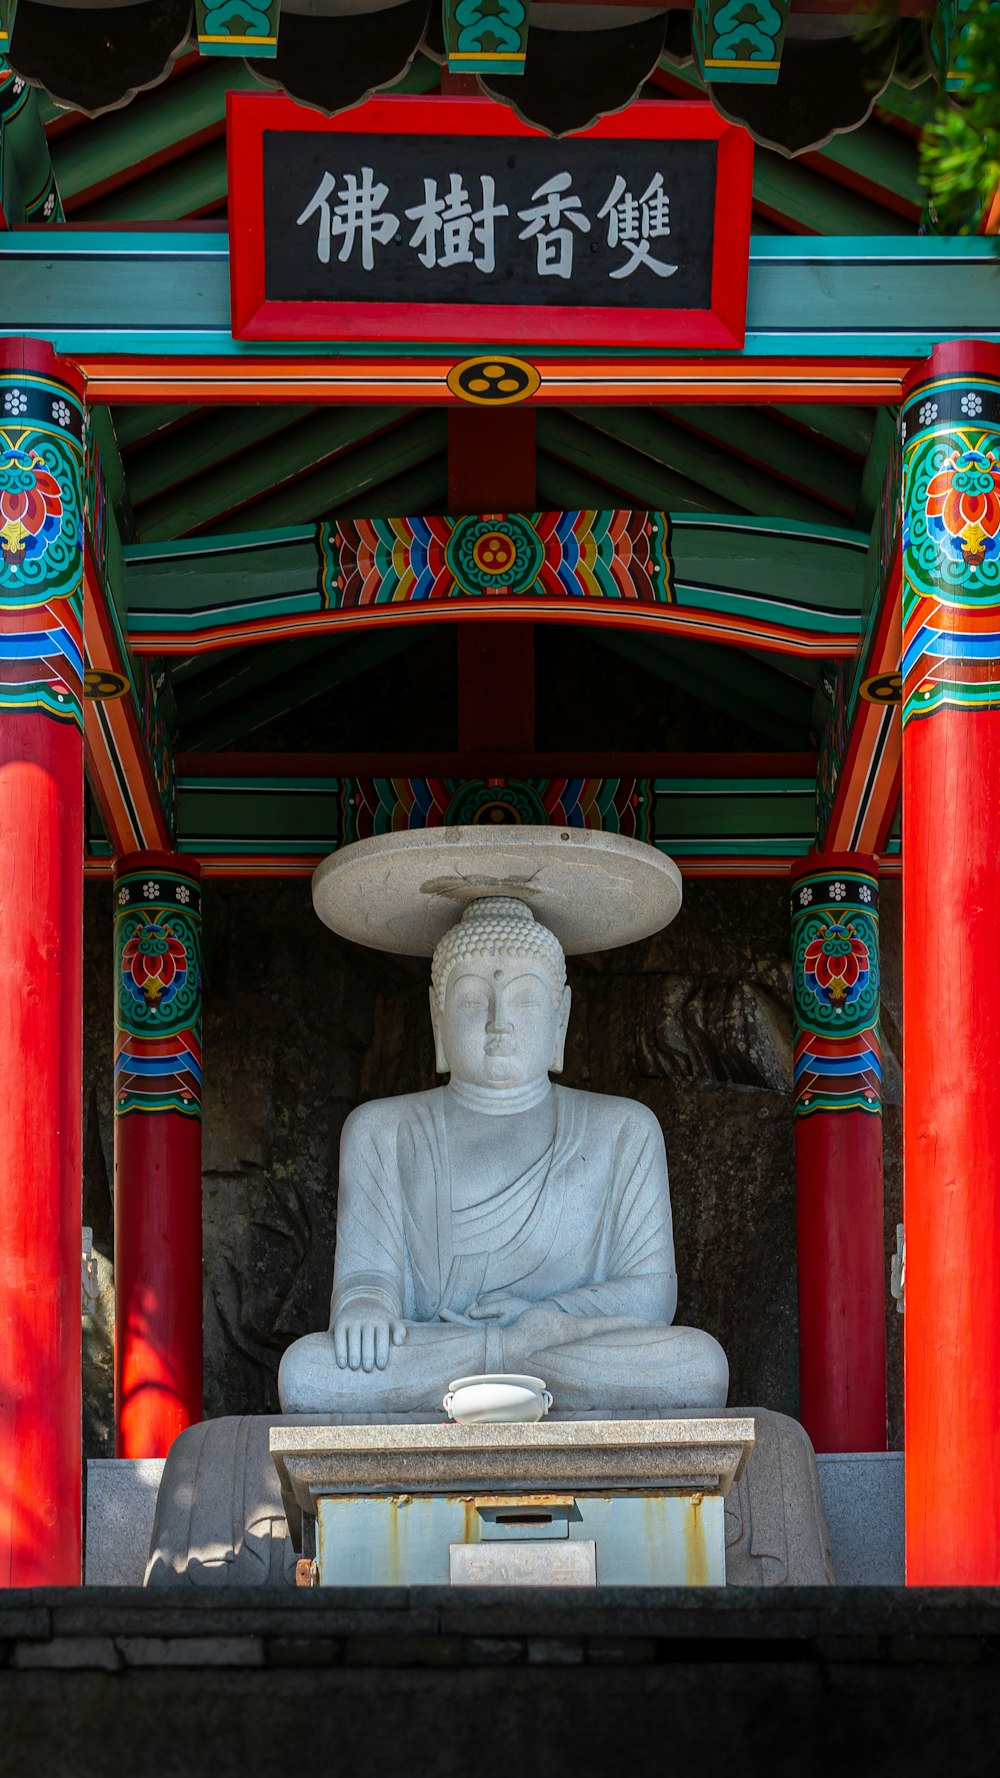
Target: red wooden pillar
951	923
491	469
838	1152
158	1313
41	962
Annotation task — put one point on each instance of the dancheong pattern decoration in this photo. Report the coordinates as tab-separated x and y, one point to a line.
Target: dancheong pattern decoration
590	555
951	545
835	987
238	27
41	546
158	991
485	36
388	805
740	40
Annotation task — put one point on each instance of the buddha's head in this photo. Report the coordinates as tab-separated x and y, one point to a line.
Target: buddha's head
499	999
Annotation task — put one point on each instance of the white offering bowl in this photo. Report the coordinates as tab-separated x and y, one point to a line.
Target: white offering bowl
475	1400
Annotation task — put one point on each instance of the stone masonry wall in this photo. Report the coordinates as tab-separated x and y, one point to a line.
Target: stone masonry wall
300	1027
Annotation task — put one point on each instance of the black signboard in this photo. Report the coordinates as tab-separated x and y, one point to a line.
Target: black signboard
454	220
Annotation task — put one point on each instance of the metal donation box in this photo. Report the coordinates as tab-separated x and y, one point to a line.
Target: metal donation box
558	1503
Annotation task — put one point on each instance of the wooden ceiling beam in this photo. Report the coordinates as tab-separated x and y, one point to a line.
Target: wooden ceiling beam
632	473
699	460
359	479
723	679
313	673
328	436
219	436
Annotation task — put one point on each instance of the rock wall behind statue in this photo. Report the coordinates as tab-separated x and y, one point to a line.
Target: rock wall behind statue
299	1028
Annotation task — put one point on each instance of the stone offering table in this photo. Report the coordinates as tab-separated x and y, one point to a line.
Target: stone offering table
570	1503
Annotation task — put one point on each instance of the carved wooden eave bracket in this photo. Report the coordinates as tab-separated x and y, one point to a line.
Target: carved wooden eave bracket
793	75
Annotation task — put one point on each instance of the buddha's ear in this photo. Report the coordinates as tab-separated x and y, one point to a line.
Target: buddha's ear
440	1059
562	1023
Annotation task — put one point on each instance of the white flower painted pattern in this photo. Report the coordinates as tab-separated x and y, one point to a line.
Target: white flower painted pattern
122	897
865	893
928	412
838	891
151	891
972	403
183	892
62	413
805	896
15	402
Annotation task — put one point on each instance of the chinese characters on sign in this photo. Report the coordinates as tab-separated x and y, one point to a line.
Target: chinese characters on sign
449	230
365	218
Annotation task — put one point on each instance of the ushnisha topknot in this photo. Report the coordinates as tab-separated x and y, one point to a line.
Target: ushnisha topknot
497	926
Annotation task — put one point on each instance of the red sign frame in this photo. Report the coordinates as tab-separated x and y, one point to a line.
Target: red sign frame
492	326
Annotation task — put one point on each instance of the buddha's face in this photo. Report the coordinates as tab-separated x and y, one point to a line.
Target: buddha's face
503	1023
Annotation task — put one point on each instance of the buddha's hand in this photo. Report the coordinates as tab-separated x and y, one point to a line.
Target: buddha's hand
363	1333
499	1306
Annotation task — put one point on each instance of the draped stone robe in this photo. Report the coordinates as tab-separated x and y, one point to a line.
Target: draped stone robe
583	1234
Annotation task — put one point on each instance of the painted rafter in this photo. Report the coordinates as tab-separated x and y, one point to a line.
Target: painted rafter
776	585
859	779
126	744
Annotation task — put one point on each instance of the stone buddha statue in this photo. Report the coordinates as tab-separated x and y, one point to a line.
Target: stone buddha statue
501	1222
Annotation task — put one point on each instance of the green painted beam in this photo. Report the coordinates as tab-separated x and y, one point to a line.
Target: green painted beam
737	578
739	484
133	291
320	670
760	440
630	473
219	435
328	433
300	817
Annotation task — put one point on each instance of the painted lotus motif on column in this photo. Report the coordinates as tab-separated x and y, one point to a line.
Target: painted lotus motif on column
41	546
158	992
835	988
951	545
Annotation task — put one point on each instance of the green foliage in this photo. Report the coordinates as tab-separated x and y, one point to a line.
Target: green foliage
960	148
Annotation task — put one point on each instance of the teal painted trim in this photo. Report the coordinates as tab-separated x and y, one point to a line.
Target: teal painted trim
822	297
738	522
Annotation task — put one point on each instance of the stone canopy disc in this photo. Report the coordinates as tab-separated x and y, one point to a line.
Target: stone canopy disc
401	892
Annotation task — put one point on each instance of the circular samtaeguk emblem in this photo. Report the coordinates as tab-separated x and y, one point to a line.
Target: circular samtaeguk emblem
883	688
488	555
102	685
493	381
496	805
